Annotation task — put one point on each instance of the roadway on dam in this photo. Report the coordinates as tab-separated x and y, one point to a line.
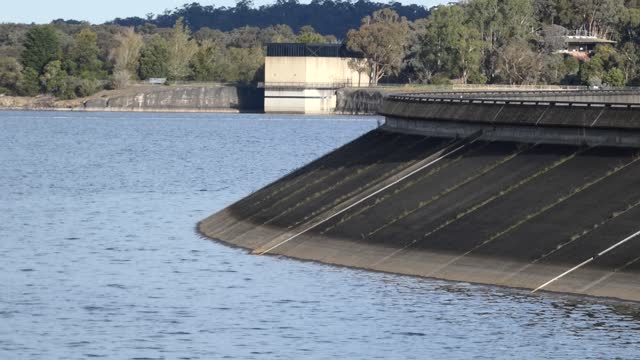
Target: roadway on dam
507	213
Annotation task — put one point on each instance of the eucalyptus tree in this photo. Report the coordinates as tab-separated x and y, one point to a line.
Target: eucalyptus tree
383	39
125	56
181	49
450	46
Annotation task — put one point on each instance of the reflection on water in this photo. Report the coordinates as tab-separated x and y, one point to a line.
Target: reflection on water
100	258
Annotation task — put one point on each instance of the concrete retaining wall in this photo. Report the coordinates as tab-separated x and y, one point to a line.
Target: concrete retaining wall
182	98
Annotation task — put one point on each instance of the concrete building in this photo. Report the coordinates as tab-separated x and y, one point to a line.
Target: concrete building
303	78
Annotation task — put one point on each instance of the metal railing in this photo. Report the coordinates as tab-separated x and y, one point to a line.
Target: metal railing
305	85
600	98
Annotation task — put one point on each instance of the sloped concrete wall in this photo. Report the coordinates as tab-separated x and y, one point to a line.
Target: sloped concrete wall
509	213
183	98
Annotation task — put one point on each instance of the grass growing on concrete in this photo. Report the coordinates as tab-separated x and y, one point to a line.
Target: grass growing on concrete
385	176
422	204
555	203
266	209
500	194
575	237
381	199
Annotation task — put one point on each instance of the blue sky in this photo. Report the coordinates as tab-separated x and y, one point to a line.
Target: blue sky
43	11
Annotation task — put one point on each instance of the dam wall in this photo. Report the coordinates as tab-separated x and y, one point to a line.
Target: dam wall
181	98
357	101
460	202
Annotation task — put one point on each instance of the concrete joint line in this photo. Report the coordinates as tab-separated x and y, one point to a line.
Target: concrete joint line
542	115
598	117
629	238
572	240
474	139
497	114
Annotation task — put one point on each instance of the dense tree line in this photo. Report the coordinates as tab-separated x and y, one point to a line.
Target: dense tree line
331	17
508	42
472	41
70	59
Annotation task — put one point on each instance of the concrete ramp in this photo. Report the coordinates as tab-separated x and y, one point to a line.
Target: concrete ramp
525	214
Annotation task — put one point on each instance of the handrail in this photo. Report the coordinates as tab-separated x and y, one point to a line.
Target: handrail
525	98
305	85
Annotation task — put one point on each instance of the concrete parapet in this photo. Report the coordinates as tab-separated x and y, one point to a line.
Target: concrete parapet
518	112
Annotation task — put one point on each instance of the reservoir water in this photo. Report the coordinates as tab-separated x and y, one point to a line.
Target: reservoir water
99	257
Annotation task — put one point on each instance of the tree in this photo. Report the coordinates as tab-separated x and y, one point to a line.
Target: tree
277	34
29	84
244	65
206	63
361	66
383	39
553	38
517	19
630	53
614	77
449	47
41	46
125	56
598	16
84	55
181	49
546	11
308	35
518	64
56	81
154	58
10	75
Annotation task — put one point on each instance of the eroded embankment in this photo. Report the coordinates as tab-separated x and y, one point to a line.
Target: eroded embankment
503	213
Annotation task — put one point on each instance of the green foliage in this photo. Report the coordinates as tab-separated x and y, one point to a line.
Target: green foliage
125	56
383	39
308	35
614	77
207	63
603	67
10	75
450	47
83	56
334	17
440	79
56	81
84	87
244	65
572	65
29	83
154	59
471	41
180	50
41	46
518	64
477	77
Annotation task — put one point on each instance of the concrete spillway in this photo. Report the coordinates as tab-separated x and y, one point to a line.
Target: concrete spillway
475	207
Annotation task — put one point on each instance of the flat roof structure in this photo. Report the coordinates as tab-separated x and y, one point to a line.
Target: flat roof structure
310	50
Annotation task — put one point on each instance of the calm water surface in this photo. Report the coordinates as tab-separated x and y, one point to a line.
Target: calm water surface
99	258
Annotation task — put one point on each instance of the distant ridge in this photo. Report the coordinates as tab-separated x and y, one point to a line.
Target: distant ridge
325	16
